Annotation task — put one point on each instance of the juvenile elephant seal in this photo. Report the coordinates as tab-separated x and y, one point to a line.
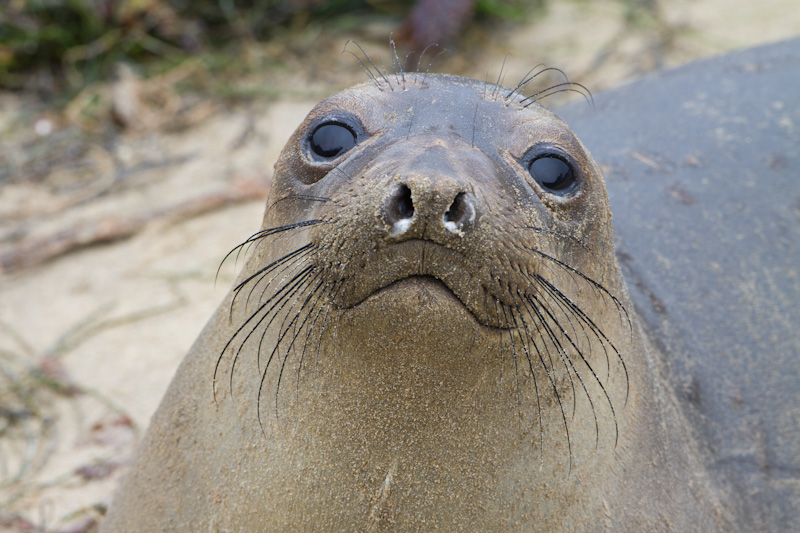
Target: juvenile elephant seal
431	332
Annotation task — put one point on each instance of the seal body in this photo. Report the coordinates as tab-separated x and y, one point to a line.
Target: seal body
701	167
431	332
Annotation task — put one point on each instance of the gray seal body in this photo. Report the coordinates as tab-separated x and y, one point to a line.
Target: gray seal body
702	168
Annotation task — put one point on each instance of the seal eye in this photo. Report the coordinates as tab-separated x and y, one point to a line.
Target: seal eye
331	139
552	173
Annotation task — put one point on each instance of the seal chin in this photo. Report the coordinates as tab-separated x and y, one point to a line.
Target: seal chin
414	316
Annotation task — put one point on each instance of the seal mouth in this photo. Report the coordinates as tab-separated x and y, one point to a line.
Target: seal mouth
425	266
418	291
426	281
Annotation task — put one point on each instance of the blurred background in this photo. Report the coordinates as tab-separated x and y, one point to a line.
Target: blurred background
137	139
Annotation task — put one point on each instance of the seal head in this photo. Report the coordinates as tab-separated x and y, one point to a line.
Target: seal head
431	331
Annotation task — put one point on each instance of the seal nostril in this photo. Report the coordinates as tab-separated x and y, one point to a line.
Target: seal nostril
457	210
404	205
461	211
399	210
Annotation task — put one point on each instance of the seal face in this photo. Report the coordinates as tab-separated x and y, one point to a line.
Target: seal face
450	188
431	331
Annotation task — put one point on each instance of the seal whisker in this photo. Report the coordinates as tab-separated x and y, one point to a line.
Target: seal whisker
413	108
291	257
315	310
299	197
265	233
560	348
523	272
528	78
571	85
568	361
249	319
364	66
621	308
405	61
383	72
557	234
580	354
486	309
568	86
296	292
289	267
516	367
285	330
263	373
535	307
280	229
325	322
590	102
398	70
343	173
319	306
424	50
525	80
366	70
571	317
500	77
594	328
551	370
523	297
533	377
500	340
281	300
307	277
271	231
574	312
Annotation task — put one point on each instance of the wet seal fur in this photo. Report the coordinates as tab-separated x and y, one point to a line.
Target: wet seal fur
424	337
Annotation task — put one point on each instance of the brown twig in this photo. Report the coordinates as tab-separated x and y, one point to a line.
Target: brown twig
34	251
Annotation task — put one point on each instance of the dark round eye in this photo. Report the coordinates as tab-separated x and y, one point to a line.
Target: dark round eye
552	173
331	139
